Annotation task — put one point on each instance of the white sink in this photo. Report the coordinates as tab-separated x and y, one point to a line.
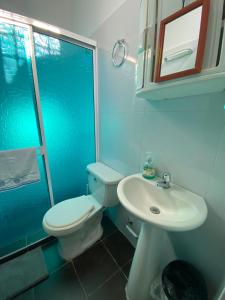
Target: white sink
161	210
178	209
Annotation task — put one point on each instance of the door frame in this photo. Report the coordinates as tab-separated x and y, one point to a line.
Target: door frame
32	26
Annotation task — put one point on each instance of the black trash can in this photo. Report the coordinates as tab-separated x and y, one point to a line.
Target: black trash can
182	281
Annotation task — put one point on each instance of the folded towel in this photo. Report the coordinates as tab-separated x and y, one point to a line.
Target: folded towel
18	167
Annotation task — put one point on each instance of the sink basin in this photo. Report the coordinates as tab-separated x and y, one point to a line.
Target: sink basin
160	210
173	209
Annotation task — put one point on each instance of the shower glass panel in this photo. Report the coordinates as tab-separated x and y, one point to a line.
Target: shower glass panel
66	83
21	214
17	119
22	209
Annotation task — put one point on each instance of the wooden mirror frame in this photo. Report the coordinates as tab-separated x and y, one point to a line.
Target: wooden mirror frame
201	42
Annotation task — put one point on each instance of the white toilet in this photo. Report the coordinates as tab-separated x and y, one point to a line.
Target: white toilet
76	222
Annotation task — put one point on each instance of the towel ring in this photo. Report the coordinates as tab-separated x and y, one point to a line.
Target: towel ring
119	53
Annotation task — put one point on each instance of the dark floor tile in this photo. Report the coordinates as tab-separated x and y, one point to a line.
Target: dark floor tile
120	248
108	227
61	285
126	268
94	267
114	289
52	258
29	295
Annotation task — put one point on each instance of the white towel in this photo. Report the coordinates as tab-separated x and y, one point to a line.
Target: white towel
18	167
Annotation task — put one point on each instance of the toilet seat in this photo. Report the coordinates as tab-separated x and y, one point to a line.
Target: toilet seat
67	216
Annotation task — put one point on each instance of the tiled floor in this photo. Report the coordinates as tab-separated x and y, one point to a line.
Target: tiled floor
98	274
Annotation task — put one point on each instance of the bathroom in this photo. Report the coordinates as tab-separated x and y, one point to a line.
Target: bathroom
184	134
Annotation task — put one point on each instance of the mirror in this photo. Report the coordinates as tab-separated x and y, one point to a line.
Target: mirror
182	42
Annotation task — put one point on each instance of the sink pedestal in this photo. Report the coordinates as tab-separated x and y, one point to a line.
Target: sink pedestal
145	265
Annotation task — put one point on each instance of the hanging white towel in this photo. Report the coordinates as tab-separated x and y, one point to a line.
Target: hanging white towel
18	167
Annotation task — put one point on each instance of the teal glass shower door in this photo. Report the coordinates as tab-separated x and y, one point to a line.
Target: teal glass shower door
65	73
22	209
66	84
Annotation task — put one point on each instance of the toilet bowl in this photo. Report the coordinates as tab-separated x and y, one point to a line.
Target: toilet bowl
76	222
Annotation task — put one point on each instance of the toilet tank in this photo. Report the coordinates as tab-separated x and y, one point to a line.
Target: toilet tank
103	181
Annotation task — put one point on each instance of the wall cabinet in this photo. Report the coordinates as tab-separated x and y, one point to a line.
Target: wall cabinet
212	76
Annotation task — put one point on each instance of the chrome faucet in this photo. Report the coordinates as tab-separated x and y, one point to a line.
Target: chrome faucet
164	182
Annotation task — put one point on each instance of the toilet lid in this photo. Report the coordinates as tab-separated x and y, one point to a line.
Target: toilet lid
69	212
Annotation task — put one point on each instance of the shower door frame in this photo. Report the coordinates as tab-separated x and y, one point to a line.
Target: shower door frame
33	25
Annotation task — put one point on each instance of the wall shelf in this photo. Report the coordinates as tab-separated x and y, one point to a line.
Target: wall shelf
194	85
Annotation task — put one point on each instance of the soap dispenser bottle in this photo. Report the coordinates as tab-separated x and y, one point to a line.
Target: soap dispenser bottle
148	169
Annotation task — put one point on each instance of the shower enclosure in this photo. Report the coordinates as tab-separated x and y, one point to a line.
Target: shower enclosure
48	100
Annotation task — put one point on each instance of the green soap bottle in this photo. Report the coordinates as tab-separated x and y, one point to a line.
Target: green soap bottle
148	169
